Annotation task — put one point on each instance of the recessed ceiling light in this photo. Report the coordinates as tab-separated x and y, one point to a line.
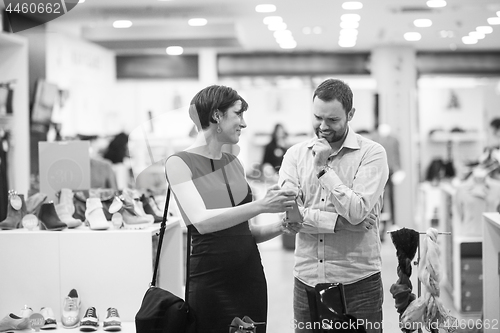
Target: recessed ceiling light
476	35
282	33
485	29
349	24
352	5
277	26
81	1
348	32
175	50
272	19
285	39
412	36
469	40
120	24
306	30
288	45
347	43
265	8
197	22
422	23
350	17
436	3
494	20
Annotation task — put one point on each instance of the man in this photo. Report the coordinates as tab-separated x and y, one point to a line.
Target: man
340	178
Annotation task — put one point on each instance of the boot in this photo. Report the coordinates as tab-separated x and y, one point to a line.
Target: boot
49	220
34	203
65	208
15	213
147	204
94	215
124	214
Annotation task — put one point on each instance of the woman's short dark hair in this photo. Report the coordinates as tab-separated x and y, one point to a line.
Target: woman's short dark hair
332	89
211	99
495	124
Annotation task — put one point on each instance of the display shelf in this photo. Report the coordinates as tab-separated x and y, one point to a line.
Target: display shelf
110	268
491	269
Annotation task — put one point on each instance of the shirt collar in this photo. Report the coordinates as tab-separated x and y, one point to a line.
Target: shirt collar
351	141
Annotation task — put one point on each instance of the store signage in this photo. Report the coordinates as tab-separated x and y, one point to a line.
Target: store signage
36	321
23	14
63	164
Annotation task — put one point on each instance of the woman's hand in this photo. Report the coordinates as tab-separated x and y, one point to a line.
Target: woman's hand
278	200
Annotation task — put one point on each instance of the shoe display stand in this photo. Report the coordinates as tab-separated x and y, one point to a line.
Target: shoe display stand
491	272
109	268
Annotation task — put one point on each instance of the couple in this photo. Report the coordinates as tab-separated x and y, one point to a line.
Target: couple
341	176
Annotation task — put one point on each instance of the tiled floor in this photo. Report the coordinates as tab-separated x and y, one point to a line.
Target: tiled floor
278	265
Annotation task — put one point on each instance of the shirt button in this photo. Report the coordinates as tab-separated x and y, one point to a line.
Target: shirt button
321	240
320	260
322	199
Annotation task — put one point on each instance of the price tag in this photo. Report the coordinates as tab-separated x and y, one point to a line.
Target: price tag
37	321
29	221
16	202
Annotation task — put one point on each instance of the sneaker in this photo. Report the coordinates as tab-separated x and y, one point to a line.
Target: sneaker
71	310
13	322
50	319
112	321
26	312
89	322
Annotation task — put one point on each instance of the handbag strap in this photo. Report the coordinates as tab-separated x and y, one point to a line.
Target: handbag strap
160	241
225	180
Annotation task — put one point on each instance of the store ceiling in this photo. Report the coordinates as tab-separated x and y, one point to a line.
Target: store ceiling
235	26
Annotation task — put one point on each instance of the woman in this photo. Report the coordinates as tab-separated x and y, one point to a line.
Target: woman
226	275
275	149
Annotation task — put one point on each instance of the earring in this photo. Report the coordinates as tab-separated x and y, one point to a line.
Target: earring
219	130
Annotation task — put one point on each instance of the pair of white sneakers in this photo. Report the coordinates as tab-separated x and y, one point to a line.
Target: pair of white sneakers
90	321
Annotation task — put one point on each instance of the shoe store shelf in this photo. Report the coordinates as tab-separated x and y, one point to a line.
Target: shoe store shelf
109	268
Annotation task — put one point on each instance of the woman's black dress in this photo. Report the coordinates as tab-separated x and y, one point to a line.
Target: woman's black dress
226	274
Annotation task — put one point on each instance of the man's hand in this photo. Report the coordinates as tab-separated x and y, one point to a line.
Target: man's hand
321	151
367	224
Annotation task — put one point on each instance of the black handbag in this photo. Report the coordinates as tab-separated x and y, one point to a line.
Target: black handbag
328	309
161	311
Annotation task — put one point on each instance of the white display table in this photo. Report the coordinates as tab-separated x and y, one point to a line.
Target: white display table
110	268
491	271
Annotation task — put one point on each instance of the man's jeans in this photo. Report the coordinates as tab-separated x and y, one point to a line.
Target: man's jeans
364	301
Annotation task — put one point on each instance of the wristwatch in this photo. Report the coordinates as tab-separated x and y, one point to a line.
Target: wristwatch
323	171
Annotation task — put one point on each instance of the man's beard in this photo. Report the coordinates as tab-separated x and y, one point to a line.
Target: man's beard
334	136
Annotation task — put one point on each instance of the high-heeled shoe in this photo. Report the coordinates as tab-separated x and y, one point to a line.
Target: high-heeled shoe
66	208
16	210
94	215
147	204
49	220
34	203
125	215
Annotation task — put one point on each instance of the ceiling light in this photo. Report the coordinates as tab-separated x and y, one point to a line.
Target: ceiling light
494	20
350	17
348	32
175	50
272	19
347	39
81	1
265	8
349	43
352	5
277	26
306	30
317	30
412	36
349	24
288	45
436	3
476	35
422	23
469	40
285	39
485	29
120	24
282	33
197	22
